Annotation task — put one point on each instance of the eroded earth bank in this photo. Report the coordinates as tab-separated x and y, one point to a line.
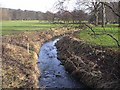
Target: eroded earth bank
94	66
20	57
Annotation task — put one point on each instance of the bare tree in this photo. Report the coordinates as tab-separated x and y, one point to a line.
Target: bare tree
49	16
103	15
66	16
78	16
116	12
93	7
119	12
5	14
96	10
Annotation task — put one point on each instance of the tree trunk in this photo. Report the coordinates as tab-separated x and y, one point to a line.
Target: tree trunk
103	15
96	18
73	21
119	12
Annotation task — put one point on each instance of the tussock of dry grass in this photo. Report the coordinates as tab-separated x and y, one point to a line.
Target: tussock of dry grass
18	67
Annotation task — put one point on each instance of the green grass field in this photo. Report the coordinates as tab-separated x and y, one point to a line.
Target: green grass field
10	27
13	27
101	38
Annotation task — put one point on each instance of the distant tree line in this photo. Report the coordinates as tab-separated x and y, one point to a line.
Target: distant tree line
13	14
62	16
66	16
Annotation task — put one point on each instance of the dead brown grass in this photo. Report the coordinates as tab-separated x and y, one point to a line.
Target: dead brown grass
20	67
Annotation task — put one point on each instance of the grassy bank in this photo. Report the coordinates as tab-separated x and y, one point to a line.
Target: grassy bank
101	38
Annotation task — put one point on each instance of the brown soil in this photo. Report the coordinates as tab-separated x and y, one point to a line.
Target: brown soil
19	67
97	67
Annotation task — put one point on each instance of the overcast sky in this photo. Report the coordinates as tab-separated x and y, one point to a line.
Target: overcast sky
36	5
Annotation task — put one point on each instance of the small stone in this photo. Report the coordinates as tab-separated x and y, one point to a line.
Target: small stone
38	62
58	75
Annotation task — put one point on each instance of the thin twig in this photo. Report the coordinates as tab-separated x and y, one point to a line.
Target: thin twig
90	28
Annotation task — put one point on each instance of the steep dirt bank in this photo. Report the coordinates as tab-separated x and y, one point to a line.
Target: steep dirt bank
20	57
95	66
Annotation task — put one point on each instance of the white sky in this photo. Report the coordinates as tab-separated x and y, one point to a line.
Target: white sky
36	5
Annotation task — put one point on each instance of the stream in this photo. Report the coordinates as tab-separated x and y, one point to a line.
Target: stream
53	73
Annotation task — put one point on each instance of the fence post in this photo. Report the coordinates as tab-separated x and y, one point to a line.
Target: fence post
28	47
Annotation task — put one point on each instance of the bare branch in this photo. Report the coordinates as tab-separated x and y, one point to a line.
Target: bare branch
117	14
114	39
90	28
105	33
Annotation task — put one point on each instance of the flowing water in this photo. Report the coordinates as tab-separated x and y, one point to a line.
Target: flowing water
53	74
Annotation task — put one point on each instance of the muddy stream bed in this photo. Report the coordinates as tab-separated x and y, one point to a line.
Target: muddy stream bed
53	73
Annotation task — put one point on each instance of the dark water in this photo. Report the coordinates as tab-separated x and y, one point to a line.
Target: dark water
53	72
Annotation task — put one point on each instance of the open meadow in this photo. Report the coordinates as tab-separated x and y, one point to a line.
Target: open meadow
16	26
101	38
